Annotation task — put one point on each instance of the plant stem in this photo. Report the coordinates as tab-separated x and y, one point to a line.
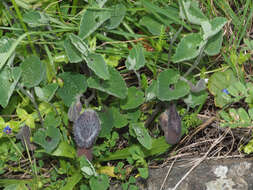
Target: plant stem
31	97
23	25
196	61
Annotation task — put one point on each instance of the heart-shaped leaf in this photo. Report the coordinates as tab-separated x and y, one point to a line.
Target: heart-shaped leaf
153	26
193	12
135	59
115	86
33	71
188	48
46	93
8	81
74	84
151	91
106	119
79	44
48	138
99	182
194	99
219	82
97	64
170	87
52	120
65	150
7	47
72	53
119	120
134	99
35	18
133	115
210	28
213	45
91	20
142	134
117	15
28	119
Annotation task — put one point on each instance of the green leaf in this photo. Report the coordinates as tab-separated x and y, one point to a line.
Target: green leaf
79	44
6	182
188	48
248	149
193	12
106	119
133	115
213	45
72	181
7	47
113	61
119	120
100	3
97	64
65	150
91	21
217	83
234	114
250	111
135	59
170	87
73	54
153	26
16	187
115	86
100	182
225	116
74	84
35	18
28	119
48	138
159	146
213	27
194	99
142	135
249	43
8	81
52	119
46	93
33	71
143	172
86	167
117	15
134	99
240	87
167	14
151	91
244	117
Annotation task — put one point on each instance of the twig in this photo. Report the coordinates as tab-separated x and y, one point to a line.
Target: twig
200	128
167	174
217	141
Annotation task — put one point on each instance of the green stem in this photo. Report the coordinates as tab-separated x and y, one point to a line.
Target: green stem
74	5
23	25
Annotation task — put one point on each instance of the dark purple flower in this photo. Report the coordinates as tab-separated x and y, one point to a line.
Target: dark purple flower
225	91
7	130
